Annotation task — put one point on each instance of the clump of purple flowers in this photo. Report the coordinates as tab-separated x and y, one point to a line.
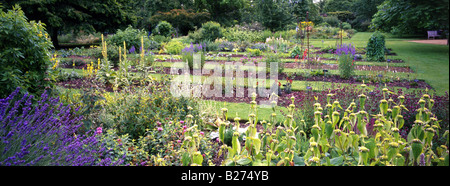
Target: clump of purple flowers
193	48
45	134
132	50
345	49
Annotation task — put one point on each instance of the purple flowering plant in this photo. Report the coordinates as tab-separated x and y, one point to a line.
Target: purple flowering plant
347	57
45	134
188	53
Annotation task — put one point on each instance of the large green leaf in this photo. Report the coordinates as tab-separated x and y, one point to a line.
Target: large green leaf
244	161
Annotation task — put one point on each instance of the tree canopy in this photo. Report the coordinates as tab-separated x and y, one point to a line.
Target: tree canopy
411	16
60	15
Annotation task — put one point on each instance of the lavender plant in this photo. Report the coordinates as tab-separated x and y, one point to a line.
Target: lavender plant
45	134
347	57
188	55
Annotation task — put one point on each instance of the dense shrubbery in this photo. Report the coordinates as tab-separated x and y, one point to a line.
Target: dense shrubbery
164	29
24	54
132	38
376	47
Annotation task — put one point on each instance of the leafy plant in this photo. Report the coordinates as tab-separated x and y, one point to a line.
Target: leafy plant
346	59
24	54
131	36
211	31
191	52
163	28
174	47
376	47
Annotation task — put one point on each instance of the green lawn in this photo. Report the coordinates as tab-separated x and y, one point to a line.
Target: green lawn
429	61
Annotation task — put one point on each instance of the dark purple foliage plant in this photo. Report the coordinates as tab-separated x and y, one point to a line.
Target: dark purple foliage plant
45	134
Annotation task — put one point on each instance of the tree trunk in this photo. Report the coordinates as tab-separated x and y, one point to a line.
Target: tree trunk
54	36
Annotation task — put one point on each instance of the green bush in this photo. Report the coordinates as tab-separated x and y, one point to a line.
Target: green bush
163	28
211	31
113	53
24	54
133	112
174	47
131	36
254	52
376	47
332	21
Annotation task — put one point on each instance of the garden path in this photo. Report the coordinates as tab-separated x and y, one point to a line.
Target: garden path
434	41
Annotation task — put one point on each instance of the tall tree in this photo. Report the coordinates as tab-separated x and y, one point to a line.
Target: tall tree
411	16
61	15
226	12
274	14
364	10
145	9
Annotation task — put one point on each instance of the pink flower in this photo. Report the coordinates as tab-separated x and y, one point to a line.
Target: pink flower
99	130
178	141
182	122
184	127
202	133
160	129
159	123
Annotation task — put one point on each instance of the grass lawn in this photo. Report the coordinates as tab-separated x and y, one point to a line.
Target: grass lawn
430	62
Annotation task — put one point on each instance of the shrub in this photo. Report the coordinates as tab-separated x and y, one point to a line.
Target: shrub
133	112
332	21
296	52
346	55
254	52
274	57
174	47
45	134
163	28
211	31
376	47
131	36
346	26
113	53
24	54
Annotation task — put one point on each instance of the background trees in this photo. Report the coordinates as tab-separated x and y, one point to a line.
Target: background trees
395	16
60	15
411	16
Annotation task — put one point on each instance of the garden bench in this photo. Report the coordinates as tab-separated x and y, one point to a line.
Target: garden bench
433	34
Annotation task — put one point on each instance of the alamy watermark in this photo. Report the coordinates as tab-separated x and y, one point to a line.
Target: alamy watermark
229	79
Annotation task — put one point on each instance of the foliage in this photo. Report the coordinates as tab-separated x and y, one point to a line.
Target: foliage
132	112
163	28
346	59
273	58
113	53
46	135
190	53
77	15
24	54
274	15
211	31
343	139
184	20
173	47
376	47
223	12
130	36
254	52
411	17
